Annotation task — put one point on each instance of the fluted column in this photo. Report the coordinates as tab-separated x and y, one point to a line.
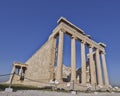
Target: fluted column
60	57
92	66
99	71
83	62
105	69
73	60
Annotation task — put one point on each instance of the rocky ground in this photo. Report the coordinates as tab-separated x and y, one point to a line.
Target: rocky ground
51	93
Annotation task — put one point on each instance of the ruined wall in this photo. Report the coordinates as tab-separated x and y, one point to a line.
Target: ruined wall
41	64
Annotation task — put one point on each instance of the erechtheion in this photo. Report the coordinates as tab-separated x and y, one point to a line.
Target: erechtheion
40	69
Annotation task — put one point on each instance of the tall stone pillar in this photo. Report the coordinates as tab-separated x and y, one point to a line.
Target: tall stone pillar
92	66
60	57
83	62
73	60
100	81
105	69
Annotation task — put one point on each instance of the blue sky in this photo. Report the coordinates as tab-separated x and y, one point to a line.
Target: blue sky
26	24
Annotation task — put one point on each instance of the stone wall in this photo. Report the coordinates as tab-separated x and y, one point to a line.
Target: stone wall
41	64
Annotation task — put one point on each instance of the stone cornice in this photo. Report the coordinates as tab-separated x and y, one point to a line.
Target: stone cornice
64	20
70	29
19	64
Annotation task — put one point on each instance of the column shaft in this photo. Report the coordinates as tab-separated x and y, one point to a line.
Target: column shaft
92	66
105	69
83	62
60	56
73	60
20	71
100	81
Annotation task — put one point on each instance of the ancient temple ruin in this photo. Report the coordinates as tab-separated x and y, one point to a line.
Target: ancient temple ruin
40	69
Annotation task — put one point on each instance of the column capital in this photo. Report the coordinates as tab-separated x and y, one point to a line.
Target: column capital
103	52
83	42
62	30
90	46
73	37
97	49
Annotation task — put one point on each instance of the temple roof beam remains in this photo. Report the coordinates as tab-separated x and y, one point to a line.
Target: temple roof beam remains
71	29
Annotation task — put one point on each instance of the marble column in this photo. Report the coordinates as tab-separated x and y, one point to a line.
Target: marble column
99	71
73	60
92	66
105	69
83	62
60	57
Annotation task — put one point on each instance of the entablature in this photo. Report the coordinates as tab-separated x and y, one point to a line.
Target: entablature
71	30
18	64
